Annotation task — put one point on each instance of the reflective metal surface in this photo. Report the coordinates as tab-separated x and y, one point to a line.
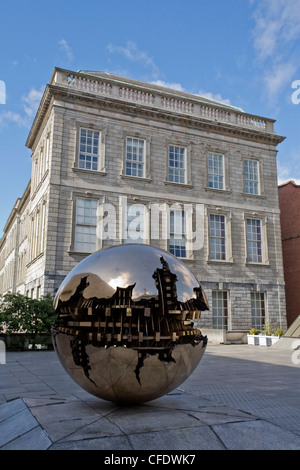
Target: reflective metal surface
124	329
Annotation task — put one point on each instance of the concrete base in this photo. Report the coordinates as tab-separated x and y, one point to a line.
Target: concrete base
216	336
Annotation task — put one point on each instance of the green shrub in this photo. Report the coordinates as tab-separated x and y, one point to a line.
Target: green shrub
21	314
253	331
267	329
278	332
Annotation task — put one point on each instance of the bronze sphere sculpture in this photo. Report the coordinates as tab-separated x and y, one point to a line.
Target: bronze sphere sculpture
124	328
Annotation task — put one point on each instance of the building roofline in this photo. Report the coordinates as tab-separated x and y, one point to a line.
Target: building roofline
292	182
241	119
17	206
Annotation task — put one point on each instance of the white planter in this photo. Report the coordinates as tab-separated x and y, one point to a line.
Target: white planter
262	340
253	339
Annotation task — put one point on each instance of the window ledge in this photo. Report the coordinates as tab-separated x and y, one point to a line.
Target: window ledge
182	185
222	191
91	172
264	265
73	252
258	196
136	178
220	261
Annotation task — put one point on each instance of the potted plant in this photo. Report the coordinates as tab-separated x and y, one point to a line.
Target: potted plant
253	336
268	337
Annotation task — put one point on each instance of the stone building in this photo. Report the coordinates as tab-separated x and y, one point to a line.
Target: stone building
289	203
116	160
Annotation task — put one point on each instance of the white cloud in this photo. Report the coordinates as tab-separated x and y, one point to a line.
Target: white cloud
277	23
215	97
281	75
131	52
276	28
9	116
173	86
64	46
30	103
32	100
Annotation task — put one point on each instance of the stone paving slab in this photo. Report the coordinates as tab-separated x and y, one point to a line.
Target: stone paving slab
239	397
19	430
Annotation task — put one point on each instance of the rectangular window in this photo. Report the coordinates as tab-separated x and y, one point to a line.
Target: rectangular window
251	177
135	157
178	241
258	310
86	225
254	241
88	149
177	164
220	309
135	223
215	171
217	237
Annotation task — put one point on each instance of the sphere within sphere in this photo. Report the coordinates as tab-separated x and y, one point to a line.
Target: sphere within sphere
124	329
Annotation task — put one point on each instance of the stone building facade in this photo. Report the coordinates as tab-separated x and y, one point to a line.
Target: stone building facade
289	203
115	160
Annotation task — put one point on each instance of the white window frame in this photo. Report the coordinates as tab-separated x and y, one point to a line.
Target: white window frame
130	162
215	236
220	309
135	215
261	242
178	228
179	173
250	181
91	160
87	224
258	309
215	178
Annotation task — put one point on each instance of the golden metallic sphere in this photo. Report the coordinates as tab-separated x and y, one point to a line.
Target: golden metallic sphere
124	328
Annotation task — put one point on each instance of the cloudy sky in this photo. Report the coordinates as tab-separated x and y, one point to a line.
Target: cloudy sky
242	52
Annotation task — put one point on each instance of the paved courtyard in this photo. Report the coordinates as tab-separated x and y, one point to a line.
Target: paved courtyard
239	397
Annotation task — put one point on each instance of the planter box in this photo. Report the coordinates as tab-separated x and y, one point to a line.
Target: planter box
262	340
253	339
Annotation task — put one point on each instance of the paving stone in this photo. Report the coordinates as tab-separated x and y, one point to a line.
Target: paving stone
36	439
17	428
256	435
155	420
97	429
106	443
196	438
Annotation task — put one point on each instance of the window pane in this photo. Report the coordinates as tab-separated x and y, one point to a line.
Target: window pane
251	177
254	240
258	310
215	170
135	157
89	149
177	245
219	309
177	164
134	230
85	225
217	237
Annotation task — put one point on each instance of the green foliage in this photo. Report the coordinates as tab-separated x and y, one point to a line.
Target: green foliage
21	314
278	332
267	329
253	331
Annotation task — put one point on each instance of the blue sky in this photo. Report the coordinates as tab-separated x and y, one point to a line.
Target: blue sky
243	52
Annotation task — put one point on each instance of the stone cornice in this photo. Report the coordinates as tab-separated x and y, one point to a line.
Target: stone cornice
152	102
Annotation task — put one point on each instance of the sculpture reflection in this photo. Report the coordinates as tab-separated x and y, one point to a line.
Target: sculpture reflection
125	330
